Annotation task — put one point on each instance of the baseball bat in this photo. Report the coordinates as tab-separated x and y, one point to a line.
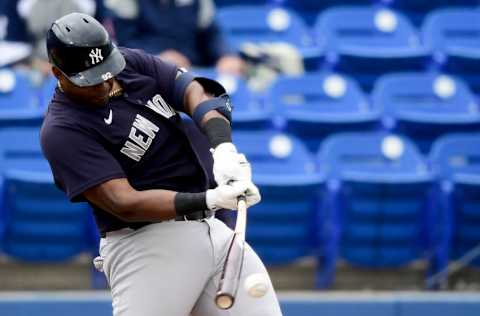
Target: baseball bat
232	268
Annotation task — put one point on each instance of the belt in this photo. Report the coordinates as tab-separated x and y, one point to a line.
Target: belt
195	216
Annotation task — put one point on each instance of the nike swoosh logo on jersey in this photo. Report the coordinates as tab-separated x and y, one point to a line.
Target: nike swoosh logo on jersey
109	120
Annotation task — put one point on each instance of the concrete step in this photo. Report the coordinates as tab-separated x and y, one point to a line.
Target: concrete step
77	275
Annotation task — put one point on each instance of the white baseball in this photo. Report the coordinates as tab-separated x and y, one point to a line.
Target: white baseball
256	285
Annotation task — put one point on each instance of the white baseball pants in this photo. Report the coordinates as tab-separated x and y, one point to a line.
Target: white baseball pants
173	268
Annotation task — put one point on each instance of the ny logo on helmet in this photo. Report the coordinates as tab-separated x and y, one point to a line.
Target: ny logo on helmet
96	55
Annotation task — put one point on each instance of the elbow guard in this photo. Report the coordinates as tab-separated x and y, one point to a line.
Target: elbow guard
222	104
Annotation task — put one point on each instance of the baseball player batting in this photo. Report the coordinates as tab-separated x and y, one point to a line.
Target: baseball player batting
113	137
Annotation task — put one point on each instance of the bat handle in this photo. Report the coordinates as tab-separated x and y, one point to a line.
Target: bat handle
242	198
241	222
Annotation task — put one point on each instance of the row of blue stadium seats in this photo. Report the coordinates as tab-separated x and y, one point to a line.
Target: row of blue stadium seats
308	9
364	41
370	198
311	4
423	106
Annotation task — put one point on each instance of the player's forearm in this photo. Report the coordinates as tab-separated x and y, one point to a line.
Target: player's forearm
121	199
148	205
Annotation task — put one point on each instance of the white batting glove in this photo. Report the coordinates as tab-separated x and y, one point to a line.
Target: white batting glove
226	195
229	165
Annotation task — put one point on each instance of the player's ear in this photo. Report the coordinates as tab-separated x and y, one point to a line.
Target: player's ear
56	72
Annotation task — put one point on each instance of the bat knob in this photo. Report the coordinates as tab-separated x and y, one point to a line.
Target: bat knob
224	301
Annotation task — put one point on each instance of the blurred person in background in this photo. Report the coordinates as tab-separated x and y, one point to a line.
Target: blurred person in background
27	21
11	53
183	32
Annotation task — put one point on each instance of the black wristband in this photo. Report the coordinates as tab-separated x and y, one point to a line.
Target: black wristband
218	131
186	203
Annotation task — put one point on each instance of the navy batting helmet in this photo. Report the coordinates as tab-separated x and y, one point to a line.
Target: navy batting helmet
81	48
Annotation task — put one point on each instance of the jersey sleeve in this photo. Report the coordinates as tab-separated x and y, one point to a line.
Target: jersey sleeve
78	161
163	72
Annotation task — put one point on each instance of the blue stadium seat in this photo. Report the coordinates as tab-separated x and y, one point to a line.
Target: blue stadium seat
224	3
249	112
316	105
37	222
417	9
369	41
260	24
426	105
309	9
19	104
41	225
19	149
280	228
454	35
375	204
456	159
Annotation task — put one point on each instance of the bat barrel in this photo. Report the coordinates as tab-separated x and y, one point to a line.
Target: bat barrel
224	301
230	278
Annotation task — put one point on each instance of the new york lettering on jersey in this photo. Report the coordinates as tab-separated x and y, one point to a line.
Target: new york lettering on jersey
143	131
158	104
139	143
